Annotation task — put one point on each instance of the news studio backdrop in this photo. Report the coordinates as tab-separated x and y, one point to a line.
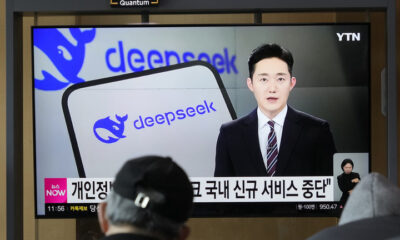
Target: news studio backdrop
106	94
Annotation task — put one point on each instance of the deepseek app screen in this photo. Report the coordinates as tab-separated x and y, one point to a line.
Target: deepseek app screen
174	113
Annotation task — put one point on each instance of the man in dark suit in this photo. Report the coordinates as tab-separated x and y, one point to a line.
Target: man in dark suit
274	139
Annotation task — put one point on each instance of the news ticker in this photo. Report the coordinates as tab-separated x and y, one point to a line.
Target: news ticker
73	210
205	189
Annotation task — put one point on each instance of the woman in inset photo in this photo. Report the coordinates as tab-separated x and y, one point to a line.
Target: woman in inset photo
347	180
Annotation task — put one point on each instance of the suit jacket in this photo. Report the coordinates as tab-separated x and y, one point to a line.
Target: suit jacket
306	149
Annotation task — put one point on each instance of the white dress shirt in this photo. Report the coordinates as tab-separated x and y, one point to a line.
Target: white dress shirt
264	129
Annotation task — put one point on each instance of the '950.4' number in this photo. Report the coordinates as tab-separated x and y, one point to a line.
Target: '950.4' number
328	206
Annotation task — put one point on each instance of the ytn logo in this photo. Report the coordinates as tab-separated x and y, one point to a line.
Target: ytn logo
115	128
349	37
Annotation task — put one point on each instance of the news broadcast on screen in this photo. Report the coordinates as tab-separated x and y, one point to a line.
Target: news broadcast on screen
264	119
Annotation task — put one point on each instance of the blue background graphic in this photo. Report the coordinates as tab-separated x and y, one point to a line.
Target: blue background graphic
66	57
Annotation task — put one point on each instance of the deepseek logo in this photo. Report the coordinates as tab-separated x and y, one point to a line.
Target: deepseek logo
66	57
166	118
137	60
169	117
115	128
55	190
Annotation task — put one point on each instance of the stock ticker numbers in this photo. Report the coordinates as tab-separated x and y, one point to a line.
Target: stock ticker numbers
317	207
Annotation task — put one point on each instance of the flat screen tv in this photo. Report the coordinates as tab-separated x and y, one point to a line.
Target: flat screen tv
103	95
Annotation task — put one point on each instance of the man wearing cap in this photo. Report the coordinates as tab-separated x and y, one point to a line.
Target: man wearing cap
151	199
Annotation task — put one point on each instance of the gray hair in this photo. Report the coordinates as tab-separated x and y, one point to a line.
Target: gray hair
122	210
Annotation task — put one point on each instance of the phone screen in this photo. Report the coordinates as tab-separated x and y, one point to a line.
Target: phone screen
173	111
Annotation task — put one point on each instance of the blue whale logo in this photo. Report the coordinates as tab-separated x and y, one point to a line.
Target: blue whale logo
115	128
66	57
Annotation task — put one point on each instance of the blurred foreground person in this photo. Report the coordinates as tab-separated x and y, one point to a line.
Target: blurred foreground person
151	199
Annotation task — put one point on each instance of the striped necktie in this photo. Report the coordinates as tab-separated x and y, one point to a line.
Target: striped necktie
272	150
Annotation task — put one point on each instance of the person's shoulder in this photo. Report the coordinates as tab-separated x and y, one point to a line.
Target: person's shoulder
307	118
340	176
237	123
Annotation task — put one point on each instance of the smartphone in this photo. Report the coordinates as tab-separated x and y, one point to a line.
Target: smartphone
171	111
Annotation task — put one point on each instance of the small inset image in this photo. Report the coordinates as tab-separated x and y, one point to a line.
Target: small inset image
348	171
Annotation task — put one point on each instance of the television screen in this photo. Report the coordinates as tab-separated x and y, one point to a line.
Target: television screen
103	95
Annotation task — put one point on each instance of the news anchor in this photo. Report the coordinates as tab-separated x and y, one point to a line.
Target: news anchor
274	139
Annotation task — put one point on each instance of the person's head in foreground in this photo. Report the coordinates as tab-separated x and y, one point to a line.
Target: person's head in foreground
152	198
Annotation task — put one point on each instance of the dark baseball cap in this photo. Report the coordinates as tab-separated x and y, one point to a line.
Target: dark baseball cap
156	184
